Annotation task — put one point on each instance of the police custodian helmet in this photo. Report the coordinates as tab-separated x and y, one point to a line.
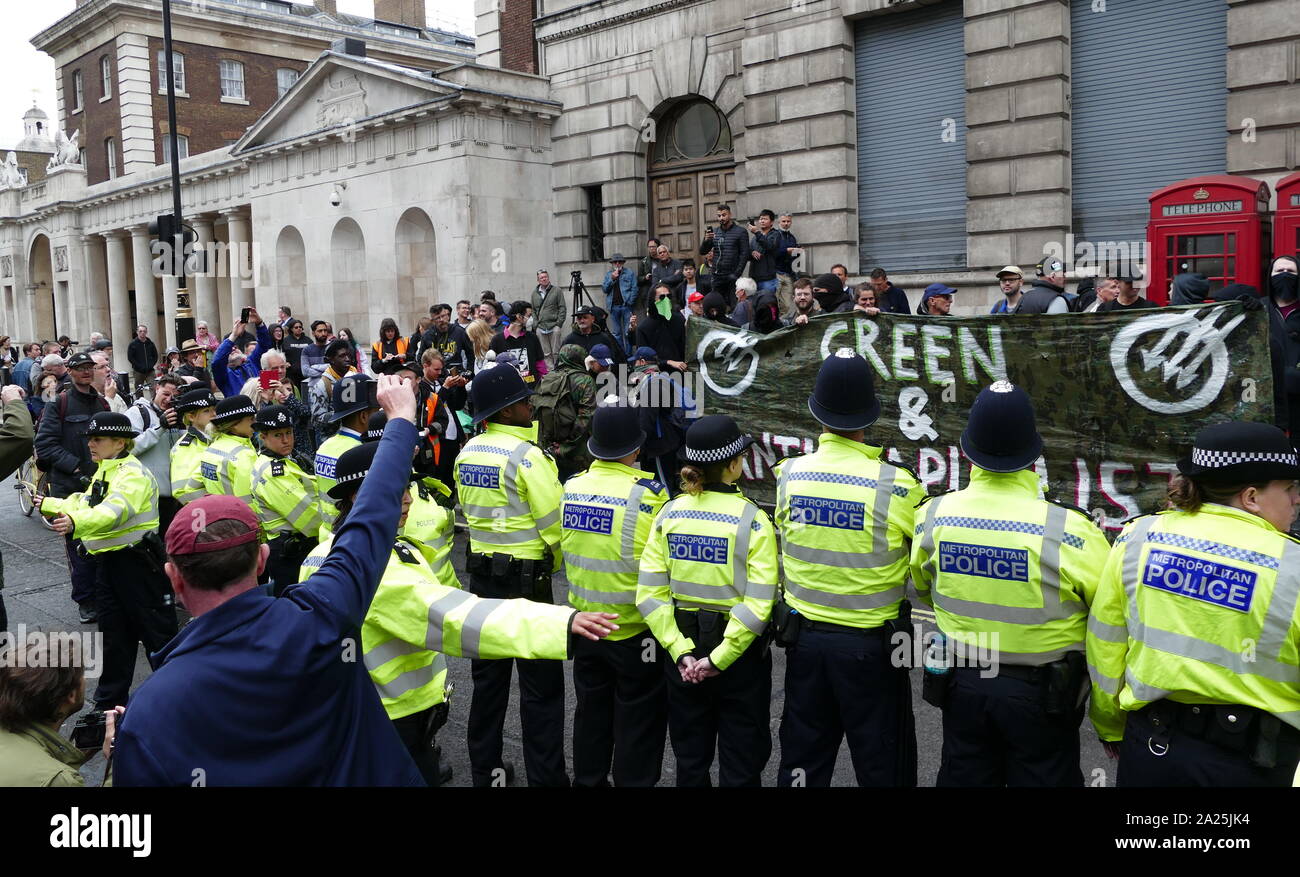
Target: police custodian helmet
844	396
496	388
1001	434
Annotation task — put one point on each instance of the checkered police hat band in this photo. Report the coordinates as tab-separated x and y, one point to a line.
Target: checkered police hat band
105	428
238	412
716	455
355	476
1221	459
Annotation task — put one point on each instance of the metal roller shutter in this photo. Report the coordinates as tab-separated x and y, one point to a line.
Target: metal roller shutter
911	183
1149	91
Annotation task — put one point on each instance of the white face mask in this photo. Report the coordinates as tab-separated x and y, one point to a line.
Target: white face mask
531	324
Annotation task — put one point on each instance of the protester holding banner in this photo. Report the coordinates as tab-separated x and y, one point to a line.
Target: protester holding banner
846	519
706	587
1010	576
1191	640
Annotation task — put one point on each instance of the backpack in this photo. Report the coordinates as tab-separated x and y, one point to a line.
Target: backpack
554	409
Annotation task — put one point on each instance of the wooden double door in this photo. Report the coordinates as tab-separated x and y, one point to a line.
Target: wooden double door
682	204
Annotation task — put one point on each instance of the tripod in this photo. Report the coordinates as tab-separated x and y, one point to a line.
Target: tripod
577	290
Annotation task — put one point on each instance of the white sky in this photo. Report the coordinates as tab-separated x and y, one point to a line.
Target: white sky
29	74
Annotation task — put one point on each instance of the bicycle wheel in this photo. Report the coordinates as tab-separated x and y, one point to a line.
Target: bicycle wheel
43	488
25	473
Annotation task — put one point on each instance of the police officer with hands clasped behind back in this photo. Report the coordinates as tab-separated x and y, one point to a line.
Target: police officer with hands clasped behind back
1010	575
287	505
846	519
1193	631
510	495
622	709
706	587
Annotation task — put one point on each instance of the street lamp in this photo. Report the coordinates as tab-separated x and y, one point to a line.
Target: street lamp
184	316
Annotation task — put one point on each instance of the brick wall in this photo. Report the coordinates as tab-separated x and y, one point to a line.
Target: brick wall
518	46
97	120
203	117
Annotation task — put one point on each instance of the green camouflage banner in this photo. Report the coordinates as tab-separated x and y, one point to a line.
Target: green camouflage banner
1119	396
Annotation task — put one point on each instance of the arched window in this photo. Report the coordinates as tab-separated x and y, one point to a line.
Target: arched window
692	131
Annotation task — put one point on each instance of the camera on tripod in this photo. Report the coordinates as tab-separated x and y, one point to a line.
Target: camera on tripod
576	275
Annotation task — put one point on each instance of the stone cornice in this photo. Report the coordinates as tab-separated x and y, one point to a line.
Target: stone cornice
611	21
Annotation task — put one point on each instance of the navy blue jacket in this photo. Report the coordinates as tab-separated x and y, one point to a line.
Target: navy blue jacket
273	692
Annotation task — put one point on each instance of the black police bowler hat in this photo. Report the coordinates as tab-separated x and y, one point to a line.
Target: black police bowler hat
195	400
1241	453
615	430
715	439
375	427
351	468
1001	434
233	408
496	388
844	396
352	394
271	417
111	424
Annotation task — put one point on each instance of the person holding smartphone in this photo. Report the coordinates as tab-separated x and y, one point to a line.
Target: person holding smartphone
232	364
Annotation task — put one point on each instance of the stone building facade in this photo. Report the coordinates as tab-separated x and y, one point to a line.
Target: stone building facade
790	76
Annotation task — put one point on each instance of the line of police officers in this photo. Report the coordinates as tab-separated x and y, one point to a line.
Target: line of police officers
1187	628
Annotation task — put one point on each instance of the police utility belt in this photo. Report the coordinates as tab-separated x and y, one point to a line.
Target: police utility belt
529	578
1061	684
1241	729
788	624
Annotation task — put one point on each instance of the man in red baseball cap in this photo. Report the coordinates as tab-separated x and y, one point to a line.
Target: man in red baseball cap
265	691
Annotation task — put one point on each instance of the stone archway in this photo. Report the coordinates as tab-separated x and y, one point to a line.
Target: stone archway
291	270
691	170
40	285
417	265
348	276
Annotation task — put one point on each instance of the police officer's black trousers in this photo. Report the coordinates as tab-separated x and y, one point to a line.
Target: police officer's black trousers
541	708
84	570
841	684
1189	761
135	606
284	564
167	509
413	730
622	711
730	712
996	732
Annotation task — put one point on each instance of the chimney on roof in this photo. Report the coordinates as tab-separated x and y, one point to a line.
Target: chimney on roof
408	12
330	6
349	46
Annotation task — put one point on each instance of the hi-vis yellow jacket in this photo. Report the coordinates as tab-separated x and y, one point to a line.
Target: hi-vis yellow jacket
187	485
226	468
510	494
128	509
1196	608
413	621
714	551
607	515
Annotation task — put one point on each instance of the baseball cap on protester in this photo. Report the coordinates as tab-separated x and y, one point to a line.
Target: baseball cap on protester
647	353
1010	270
936	289
600	353
696	296
1048	266
78	360
585	311
197	516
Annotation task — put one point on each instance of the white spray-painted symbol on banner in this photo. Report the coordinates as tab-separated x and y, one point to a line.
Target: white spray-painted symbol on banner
732	348
1188	340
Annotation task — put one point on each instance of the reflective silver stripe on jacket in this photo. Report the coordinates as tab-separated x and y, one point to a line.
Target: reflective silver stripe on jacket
1054	608
412	680
610	597
438	612
628	562
1264	662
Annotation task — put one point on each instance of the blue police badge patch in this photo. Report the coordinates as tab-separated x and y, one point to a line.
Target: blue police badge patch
702	549
819	511
1203	580
986	561
208	471
325	466
589	518
480	476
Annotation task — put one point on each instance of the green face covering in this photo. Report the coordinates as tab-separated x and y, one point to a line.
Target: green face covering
665	308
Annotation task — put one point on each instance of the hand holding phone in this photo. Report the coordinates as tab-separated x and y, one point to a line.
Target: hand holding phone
244	314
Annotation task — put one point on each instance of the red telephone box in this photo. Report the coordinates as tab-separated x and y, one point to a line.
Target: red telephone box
1215	225
1286	222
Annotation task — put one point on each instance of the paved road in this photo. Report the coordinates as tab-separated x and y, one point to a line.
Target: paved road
37	594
